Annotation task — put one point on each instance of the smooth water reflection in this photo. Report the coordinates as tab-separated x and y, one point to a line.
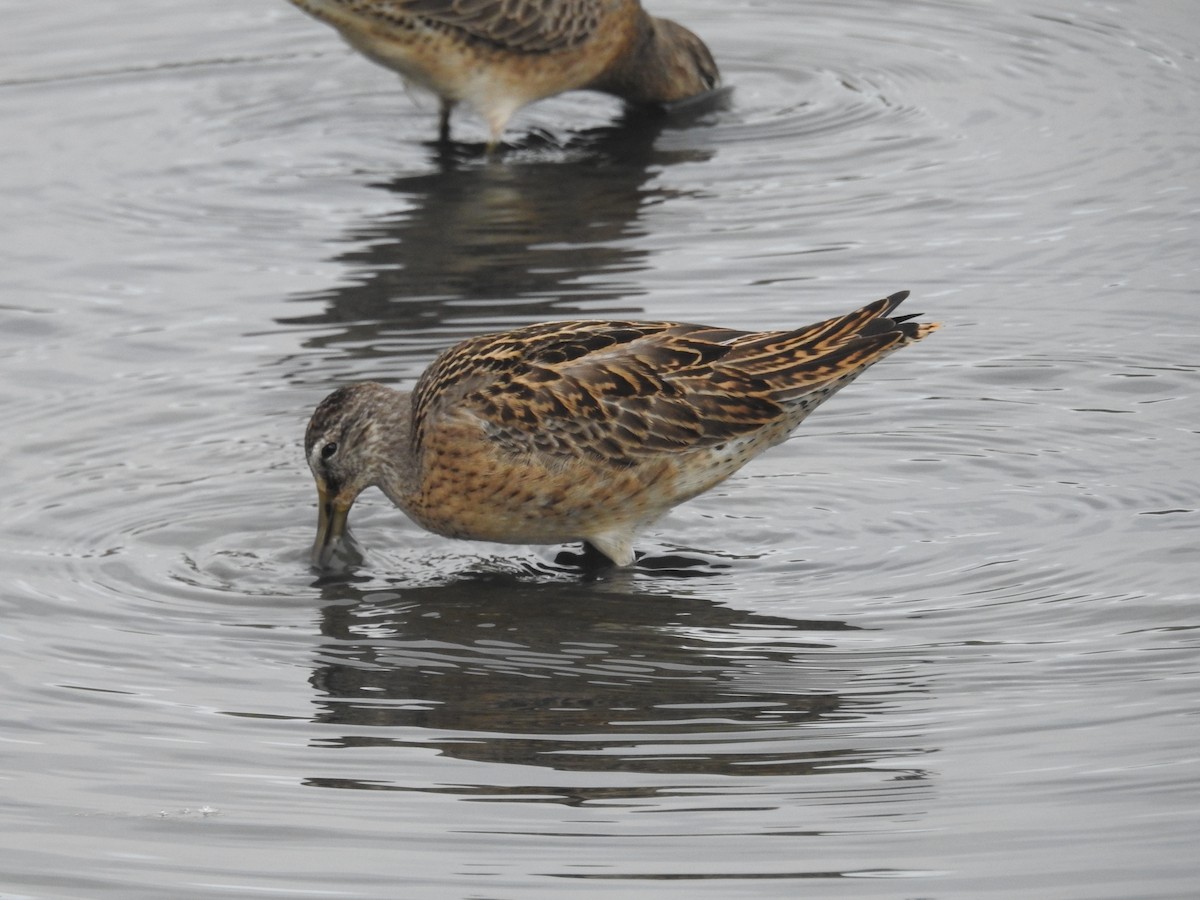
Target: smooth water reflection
476	245
580	679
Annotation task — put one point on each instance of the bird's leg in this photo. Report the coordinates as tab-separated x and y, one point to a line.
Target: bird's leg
445	107
593	557
591	562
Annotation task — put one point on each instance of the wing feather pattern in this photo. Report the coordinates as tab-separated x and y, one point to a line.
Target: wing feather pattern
621	392
526	26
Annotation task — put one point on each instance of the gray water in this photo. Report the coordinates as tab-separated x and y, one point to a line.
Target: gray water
941	644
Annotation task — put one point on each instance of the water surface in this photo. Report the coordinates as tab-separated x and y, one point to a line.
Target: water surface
941	644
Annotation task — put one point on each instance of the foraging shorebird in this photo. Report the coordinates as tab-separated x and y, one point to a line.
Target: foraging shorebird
582	430
499	55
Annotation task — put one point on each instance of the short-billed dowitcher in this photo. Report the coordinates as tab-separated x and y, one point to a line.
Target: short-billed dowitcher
584	430
499	55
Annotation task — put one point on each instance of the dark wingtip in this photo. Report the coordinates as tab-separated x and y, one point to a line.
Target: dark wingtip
894	300
885	322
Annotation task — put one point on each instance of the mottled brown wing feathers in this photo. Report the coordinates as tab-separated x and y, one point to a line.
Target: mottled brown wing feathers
528	26
620	391
813	341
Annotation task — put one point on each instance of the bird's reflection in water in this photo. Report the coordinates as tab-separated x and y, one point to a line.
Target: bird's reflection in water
477	245
581	677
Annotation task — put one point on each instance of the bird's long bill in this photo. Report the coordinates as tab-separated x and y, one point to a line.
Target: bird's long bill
332	514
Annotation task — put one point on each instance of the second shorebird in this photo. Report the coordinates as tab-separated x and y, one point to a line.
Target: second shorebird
499	55
585	430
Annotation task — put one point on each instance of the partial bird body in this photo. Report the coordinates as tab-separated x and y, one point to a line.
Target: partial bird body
499	55
582	430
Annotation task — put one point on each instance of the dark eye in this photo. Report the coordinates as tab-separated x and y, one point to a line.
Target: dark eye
328	450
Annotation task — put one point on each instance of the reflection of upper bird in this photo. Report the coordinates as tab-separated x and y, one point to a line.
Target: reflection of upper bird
582	430
499	55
